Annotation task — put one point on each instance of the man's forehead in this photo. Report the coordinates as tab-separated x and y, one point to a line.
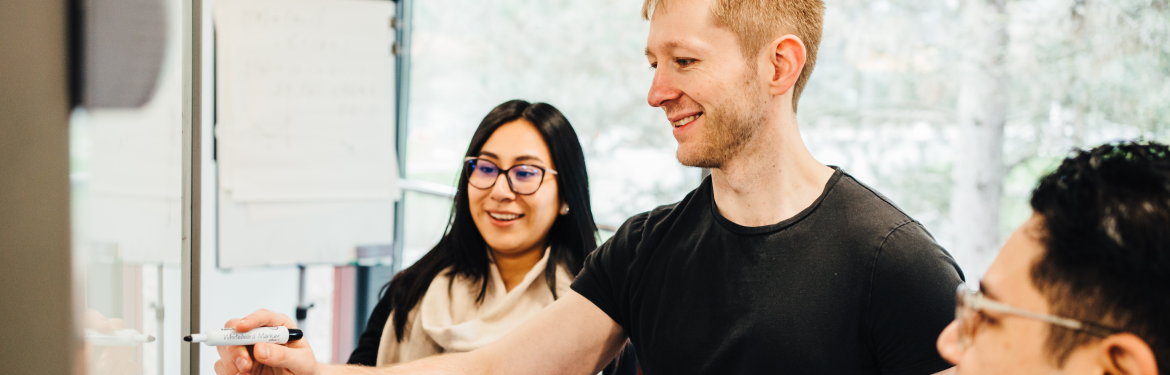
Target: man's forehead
1010	275
686	25
664	7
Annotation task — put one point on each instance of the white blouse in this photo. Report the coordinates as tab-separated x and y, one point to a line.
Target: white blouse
450	321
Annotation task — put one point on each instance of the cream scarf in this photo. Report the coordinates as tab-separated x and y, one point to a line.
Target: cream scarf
450	321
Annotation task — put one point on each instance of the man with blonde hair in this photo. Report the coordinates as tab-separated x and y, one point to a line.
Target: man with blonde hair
775	264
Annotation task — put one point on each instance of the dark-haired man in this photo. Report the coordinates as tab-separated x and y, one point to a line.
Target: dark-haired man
775	264
1082	287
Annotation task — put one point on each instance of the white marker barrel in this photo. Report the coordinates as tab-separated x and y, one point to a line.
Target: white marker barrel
121	337
228	336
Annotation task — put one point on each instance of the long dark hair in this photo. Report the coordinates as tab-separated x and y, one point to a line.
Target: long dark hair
462	247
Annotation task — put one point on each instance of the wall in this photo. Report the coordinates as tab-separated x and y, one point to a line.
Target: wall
35	264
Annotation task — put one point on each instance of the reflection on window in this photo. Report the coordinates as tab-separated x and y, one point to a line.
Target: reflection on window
126	178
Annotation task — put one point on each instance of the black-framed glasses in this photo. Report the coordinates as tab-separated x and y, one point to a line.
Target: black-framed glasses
523	179
969	313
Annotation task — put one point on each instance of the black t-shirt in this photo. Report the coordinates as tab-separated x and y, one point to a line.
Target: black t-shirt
850	285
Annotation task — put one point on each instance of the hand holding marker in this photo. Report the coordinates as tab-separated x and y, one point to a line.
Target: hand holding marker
228	336
294	356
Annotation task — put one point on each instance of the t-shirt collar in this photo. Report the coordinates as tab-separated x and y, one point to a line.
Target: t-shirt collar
708	190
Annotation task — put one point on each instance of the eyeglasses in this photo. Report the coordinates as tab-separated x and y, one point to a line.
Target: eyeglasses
969	313
523	179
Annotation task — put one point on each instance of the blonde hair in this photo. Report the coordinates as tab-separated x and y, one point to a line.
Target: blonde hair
758	22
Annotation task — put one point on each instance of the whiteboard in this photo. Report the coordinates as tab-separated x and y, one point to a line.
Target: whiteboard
305	132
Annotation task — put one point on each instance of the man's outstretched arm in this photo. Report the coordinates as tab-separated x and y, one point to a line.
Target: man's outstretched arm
570	336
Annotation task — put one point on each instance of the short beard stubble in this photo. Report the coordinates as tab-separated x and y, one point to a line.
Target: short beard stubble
730	124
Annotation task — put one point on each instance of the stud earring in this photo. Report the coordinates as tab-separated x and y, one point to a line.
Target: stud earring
564	209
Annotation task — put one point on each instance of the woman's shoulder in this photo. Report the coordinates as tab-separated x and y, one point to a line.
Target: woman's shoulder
415	344
443	275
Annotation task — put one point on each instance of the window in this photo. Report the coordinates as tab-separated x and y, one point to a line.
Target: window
585	58
126	175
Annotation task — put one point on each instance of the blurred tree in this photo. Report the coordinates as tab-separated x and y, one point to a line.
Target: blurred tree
900	85
982	112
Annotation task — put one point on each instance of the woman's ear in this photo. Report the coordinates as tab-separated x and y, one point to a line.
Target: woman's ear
1125	353
564	208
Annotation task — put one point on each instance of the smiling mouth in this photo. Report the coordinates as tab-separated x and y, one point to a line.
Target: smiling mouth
505	217
686	120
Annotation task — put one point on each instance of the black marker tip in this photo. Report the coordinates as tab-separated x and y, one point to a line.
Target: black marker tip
187	338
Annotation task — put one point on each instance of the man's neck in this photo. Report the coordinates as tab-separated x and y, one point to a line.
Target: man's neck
771	179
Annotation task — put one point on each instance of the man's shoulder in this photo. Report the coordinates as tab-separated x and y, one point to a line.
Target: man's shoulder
901	245
663	218
865	205
649	220
860	211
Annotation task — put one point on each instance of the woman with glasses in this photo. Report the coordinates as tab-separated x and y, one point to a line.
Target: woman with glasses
520	228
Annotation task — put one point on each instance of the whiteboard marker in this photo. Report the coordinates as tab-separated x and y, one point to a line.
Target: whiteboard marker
120	337
228	336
